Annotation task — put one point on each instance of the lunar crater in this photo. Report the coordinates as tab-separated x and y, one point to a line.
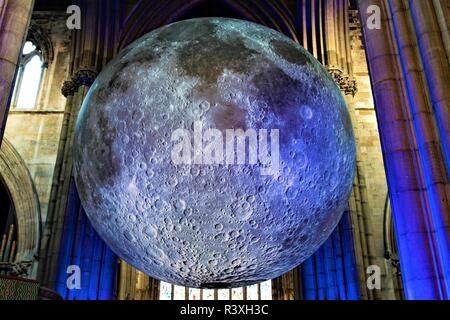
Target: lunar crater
221	225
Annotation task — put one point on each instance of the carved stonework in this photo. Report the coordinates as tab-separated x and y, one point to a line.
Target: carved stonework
40	37
351	87
83	77
346	83
17	269
68	88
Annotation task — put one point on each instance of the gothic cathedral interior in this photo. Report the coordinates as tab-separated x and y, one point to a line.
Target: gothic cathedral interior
103	196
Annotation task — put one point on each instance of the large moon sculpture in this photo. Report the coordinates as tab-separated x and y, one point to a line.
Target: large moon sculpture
154	162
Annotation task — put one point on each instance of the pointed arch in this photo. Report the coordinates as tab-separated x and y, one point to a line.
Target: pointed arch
18	182
39	36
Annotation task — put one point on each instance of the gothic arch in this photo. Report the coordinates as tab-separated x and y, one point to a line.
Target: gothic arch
17	179
38	35
149	15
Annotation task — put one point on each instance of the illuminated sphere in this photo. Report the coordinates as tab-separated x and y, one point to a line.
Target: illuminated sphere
213	225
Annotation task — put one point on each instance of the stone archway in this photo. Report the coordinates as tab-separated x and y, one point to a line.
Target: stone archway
17	179
39	36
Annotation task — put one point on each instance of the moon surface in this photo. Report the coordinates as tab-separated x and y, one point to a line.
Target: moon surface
203	224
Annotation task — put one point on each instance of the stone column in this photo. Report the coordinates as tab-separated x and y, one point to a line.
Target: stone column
92	48
327	23
433	42
14	20
127	282
413	120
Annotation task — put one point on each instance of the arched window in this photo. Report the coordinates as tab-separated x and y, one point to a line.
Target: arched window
261	291
29	77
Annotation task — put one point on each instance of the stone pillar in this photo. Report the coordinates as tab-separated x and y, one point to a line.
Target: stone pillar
409	75
14	20
284	287
135	285
92	48
433	44
324	30
339	64
127	282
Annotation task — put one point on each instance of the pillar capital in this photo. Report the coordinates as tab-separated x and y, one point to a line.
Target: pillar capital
68	88
83	77
346	83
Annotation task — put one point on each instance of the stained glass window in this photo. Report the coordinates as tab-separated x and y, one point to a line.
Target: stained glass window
252	292
194	294
224	294
29	76
266	290
237	294
179	293
165	291
262	291
208	294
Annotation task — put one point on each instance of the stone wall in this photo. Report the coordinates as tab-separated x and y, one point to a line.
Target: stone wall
35	132
371	156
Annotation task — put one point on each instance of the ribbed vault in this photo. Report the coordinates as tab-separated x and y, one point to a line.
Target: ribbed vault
149	15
